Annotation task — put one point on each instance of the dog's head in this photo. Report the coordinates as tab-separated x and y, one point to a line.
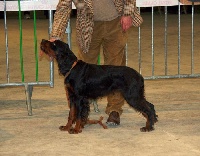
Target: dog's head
61	52
56	49
49	48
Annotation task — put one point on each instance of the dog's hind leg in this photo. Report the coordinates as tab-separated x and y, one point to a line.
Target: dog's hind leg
135	98
142	107
153	111
149	115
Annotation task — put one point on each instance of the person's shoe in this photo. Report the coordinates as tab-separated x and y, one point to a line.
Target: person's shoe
113	119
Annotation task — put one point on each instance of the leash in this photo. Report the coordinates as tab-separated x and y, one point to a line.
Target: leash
67	74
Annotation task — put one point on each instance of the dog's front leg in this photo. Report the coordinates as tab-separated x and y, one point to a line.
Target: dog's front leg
71	119
77	129
72	112
78	124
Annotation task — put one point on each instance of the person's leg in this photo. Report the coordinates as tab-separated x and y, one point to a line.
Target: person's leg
94	51
114	54
114	41
114	44
92	55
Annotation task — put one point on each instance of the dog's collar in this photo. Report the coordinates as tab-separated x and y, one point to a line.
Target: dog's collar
67	74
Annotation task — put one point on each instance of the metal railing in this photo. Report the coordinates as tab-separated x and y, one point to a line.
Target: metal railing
28	85
192	74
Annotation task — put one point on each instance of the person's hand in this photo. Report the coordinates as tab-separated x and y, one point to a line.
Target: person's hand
126	22
52	39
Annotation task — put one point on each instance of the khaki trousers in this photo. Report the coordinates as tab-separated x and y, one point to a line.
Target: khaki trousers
110	36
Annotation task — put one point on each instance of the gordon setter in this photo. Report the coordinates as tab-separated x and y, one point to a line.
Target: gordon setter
84	81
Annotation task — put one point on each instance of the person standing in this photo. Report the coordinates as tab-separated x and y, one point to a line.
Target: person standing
100	23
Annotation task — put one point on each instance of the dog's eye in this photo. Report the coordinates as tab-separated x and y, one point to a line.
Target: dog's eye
53	46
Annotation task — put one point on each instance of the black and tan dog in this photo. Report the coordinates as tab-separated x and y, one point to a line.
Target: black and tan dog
85	81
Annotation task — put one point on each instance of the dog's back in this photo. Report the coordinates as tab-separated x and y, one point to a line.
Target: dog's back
99	80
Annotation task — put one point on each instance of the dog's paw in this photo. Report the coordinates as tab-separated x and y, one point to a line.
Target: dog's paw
63	128
74	131
146	129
